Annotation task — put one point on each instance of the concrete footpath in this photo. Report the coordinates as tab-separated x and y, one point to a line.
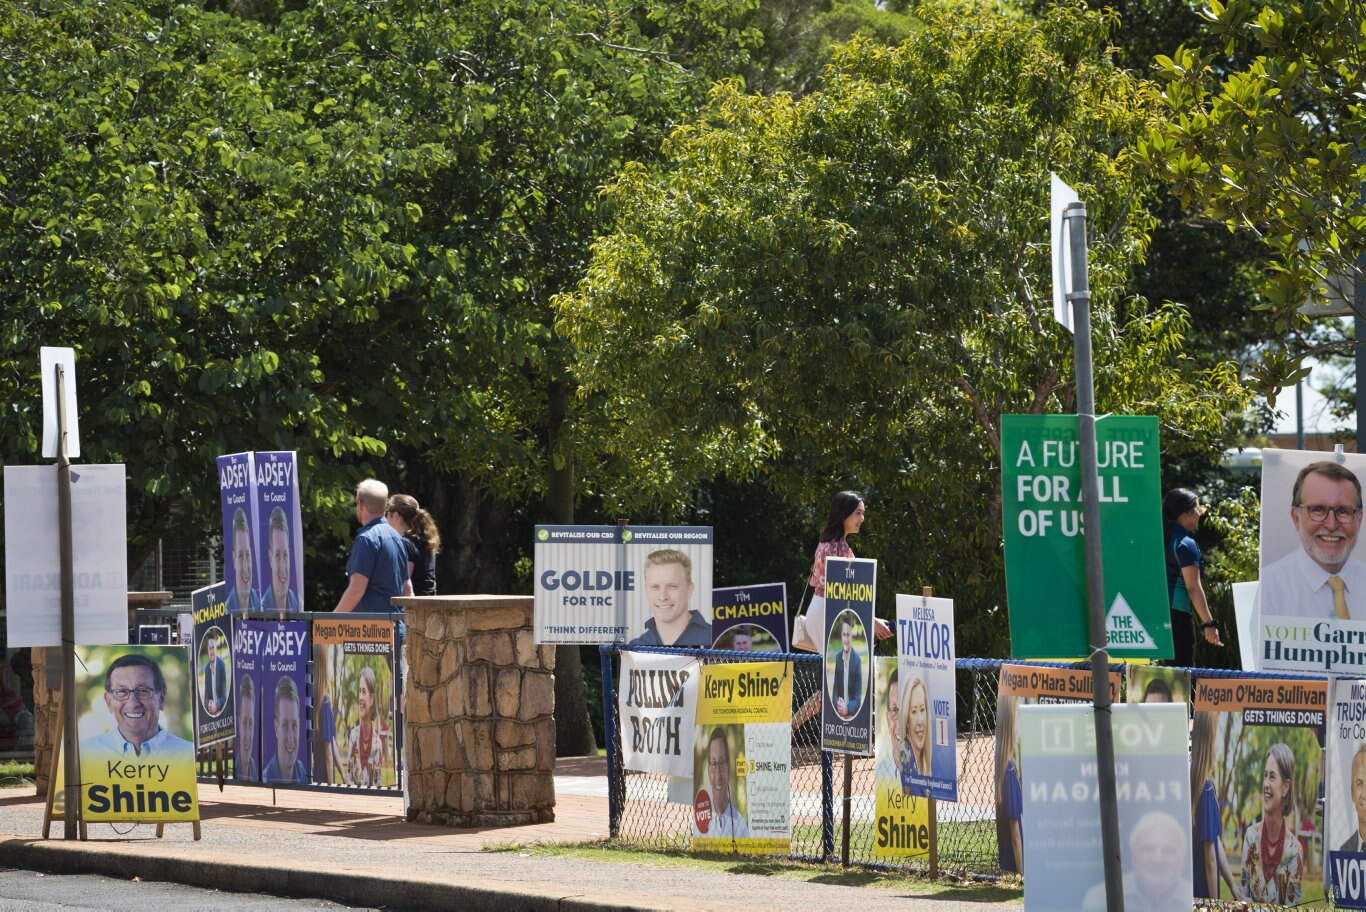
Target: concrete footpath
357	849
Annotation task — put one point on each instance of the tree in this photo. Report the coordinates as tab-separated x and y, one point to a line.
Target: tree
1263	137
851	288
337	230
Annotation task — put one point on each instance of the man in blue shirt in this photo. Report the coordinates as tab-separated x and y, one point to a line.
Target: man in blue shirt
378	566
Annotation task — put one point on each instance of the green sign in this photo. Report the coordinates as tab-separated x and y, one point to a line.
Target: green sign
1045	553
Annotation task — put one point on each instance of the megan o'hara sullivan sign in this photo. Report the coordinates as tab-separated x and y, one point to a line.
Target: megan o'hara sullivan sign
641	585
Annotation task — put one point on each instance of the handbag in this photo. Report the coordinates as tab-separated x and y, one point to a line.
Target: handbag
800	638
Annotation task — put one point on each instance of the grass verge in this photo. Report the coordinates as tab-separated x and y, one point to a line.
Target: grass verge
625	852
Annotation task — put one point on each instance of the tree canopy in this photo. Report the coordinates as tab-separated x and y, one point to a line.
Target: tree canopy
850	288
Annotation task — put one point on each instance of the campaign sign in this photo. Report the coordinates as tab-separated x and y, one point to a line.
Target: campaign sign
743	759
846	711
154	634
1345	834
642	585
929	697
237	488
99	553
750	618
247	637
1257	747
353	681
902	827
1063	860
1311	613
1157	684
279	532
214	715
657	709
1018	686
278	651
133	722
1045	548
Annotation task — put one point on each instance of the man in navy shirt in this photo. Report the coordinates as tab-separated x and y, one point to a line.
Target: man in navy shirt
378	566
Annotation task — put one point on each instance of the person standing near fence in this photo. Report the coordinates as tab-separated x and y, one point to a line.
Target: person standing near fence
421	540
1181	512
845	518
378	566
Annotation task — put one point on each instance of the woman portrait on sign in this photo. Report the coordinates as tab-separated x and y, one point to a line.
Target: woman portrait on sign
366	746
916	743
1009	795
1273	862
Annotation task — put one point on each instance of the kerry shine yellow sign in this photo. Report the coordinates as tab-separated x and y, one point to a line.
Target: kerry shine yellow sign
134	706
745	692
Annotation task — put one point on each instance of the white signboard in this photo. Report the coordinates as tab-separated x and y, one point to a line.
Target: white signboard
657	708
99	547
1063	862
1060	196
640	585
48	359
929	696
1311	613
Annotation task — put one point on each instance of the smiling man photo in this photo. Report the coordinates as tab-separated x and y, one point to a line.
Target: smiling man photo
1320	579
668	590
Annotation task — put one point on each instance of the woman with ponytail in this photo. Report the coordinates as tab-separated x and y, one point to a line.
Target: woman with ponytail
420	537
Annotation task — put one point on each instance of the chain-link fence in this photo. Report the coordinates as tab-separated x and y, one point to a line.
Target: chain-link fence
825	787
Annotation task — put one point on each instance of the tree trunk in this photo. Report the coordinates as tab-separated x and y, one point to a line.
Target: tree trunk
573	730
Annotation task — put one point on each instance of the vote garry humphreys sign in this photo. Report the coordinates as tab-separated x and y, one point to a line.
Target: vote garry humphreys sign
1045	548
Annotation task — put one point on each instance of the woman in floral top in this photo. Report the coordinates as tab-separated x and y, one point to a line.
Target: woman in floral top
845	518
1273	864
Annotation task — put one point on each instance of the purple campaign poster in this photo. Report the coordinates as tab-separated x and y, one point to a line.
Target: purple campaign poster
247	637
283	701
237	484
279	536
750	618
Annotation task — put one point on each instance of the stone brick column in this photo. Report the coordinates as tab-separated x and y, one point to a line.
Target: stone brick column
479	726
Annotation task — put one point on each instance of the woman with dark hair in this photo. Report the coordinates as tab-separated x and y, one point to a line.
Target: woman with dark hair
421	539
845	518
1181	513
1273	862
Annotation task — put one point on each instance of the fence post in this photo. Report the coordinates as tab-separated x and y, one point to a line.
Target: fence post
616	782
827	807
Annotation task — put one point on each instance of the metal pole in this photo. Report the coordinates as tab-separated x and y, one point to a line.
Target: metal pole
848	807
71	769
616	781
827	806
1080	296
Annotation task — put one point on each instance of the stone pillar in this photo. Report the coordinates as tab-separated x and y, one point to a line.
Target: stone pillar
479	726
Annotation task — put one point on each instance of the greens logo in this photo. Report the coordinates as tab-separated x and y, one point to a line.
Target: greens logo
543	534
626	535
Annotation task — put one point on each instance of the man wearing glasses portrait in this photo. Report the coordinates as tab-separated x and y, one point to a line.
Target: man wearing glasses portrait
1320	579
135	693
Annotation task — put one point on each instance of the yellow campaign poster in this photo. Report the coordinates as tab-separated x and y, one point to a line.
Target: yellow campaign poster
903	818
745	692
743	759
134	711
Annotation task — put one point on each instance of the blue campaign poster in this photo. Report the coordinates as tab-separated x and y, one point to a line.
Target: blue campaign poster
271	665
213	666
927	748
279	533
750	618
847	642
237	486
